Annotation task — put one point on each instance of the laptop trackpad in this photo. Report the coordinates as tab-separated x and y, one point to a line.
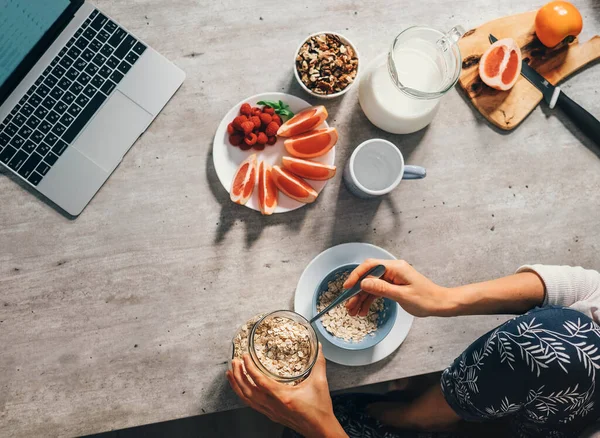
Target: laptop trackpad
112	131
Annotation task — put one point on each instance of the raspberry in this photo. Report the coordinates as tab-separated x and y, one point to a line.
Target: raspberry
262	138
246	109
247	127
250	139
230	129
259	147
268	110
265	118
236	139
272	140
245	147
256	111
237	122
256	121
272	129
276	119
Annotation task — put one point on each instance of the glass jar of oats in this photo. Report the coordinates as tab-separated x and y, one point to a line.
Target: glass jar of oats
282	345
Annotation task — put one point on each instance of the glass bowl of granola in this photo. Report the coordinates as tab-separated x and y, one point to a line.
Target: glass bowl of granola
351	332
326	64
282	345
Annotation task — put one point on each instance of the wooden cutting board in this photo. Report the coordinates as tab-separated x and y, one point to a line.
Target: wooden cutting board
507	109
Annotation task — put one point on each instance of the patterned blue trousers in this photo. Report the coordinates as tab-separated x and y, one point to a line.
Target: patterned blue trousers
533	376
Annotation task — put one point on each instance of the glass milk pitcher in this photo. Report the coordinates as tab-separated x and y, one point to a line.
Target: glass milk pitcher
400	91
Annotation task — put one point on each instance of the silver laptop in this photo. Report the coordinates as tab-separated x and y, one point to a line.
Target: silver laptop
76	91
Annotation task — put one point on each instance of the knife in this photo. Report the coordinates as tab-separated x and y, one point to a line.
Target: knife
554	96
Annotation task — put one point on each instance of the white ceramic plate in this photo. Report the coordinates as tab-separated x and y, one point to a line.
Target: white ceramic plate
318	269
227	158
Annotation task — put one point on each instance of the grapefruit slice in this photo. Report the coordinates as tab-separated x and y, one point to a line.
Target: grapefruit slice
312	144
292	186
244	181
500	65
303	122
267	190
309	169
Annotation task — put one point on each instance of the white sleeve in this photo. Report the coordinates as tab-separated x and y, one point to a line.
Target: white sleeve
567	285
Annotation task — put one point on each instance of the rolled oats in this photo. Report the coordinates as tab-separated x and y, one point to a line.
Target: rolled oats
338	321
326	65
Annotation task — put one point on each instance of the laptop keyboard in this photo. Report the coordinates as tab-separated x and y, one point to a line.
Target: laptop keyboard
64	98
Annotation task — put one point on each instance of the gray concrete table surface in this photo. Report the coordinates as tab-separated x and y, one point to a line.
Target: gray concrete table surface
124	316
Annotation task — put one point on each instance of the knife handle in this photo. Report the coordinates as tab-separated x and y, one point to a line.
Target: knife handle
584	120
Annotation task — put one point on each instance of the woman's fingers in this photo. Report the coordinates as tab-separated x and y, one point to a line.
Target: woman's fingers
236	388
261	381
364	308
241	379
380	288
357	303
362	270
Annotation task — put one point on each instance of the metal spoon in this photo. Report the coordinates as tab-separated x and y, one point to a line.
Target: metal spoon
376	272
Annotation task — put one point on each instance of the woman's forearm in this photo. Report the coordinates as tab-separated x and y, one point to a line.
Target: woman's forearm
513	294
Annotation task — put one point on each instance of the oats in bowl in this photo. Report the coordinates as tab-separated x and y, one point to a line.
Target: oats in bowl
326	64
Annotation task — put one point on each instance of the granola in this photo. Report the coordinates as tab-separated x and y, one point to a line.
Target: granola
326	65
338	321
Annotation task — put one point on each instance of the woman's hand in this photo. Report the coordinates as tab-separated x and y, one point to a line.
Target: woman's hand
306	407
402	283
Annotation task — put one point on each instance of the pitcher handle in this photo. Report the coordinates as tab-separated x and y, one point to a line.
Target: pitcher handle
414	172
450	38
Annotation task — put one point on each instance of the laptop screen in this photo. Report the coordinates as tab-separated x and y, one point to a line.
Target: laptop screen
23	23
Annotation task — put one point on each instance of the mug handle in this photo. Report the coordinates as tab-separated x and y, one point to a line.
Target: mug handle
414	172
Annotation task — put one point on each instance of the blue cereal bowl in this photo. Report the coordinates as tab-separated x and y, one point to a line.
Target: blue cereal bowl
387	316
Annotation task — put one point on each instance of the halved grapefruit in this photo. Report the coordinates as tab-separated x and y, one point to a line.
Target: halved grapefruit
267	190
312	144
244	181
293	186
500	65
304	121
308	169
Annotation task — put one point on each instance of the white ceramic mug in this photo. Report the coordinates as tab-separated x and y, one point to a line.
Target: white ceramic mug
376	167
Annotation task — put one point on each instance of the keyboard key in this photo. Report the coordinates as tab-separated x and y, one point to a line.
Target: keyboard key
84	78
105	71
74	52
38	81
88	55
110	26
72	74
99	21
66	62
91	69
58	71
17	160
82	100
89	91
58	129
103	35
80	64
98	81
27	110
42	149
74	110
124	67
59	148
47	71
43	168
35	178
107	50
50	159
54	62
131	58
99	59
48	103
61	106
35	100
89	33
50	81
16	142
53	117
139	48
62	52
108	87
38	135
76	88
117	37
70	43
64	83
10	129
4	139
84	117
44	127
81	43
33	122
96	45
7	154
125	46
30	165
93	14
40	112
19	119
57	93
51	139
43	91
116	77
25	131
28	146
67	119
112	62
68	98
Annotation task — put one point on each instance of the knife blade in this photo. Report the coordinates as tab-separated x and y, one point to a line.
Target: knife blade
554	96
